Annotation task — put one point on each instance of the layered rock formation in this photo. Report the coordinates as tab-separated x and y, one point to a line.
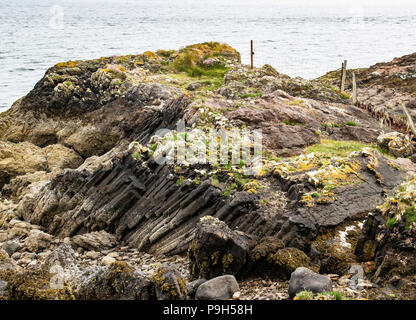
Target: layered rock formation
79	164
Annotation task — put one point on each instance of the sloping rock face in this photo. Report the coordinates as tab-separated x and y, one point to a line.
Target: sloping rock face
382	87
334	192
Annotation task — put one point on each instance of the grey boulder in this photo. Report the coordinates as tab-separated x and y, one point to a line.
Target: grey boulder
304	279
219	288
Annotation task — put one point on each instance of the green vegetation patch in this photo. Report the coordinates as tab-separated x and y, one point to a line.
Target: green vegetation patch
336	148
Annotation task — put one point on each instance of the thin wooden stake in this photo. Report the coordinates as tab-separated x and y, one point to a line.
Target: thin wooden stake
252	54
354	89
409	118
344	76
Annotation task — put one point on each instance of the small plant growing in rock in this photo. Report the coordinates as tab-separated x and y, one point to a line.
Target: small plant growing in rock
304	295
390	223
350	123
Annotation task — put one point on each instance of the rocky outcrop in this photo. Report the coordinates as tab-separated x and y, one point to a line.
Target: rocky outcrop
382	88
388	236
397	144
332	195
216	250
79	162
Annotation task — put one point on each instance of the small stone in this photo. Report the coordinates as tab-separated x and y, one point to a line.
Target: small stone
11	247
113	255
38	240
16	255
93	255
107	260
236	295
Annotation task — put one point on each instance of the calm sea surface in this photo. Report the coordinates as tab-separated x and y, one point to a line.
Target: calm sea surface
297	39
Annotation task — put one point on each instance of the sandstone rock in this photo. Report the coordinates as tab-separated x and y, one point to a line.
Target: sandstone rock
216	250
60	157
19	228
38	240
219	288
93	255
107	260
169	284
96	241
19	159
90	140
304	279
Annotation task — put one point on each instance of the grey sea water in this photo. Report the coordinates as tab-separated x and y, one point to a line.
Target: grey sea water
299	38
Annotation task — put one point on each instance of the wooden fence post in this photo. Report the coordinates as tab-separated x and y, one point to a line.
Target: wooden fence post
409	118
252	54
354	89
343	75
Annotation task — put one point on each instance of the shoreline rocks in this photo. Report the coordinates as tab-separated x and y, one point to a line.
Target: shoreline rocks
81	187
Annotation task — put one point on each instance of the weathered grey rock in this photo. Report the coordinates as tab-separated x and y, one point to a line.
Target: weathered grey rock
194	86
304	279
193	286
216	250
118	281
169	284
96	241
38	240
219	288
11	247
62	261
396	143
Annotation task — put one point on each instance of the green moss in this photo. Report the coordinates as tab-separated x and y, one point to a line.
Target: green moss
336	148
227	260
288	259
350	123
329	295
292	123
33	286
168	289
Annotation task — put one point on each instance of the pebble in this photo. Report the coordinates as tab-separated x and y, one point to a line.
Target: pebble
93	254
113	255
236	295
108	260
